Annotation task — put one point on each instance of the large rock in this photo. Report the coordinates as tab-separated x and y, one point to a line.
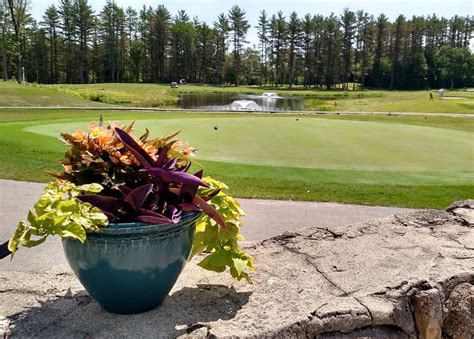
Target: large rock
405	276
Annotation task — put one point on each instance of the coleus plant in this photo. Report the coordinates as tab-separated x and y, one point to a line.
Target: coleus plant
136	180
168	190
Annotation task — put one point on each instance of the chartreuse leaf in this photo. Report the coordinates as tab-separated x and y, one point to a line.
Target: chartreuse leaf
222	243
16	237
58	212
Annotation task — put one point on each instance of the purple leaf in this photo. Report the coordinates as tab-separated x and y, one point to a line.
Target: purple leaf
175	176
150	213
212	195
206	208
170	164
142	156
123	189
110	216
162	156
187	207
137	196
175	214
153	220
184	168
105	204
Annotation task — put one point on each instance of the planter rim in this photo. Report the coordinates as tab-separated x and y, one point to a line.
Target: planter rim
138	228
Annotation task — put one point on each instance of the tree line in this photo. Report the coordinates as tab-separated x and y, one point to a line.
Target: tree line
73	44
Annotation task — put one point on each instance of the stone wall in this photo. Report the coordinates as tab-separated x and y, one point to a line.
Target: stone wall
406	276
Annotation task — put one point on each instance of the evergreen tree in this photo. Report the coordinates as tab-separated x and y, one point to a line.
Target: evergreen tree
36	55
331	48
262	33
182	48
74	45
278	34
348	23
222	29
51	24
308	56
131	32
398	38
83	24
238	28
377	71
159	40
205	42
294	45
19	16
66	14
5	37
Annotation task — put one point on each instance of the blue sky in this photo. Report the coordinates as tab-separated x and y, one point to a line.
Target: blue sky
207	10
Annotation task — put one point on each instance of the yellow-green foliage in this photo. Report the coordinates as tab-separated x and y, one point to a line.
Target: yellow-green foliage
222	243
58	212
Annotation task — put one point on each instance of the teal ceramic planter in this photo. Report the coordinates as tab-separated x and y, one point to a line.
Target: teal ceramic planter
130	268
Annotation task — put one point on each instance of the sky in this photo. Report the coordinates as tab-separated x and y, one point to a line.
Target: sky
208	10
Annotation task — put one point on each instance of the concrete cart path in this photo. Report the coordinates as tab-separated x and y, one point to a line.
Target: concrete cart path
264	219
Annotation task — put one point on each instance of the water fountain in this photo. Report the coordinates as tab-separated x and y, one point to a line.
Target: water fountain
244	105
268	102
270	95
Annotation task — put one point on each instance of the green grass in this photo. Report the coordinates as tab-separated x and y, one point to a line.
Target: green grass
154	95
288	169
312	143
12	94
411	101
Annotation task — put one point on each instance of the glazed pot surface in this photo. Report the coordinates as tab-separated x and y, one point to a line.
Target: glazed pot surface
130	268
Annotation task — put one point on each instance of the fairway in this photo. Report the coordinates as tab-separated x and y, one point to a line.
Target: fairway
313	143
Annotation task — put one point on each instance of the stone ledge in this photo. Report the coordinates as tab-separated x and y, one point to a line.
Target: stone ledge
406	276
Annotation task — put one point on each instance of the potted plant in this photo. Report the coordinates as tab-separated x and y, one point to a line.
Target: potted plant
131	214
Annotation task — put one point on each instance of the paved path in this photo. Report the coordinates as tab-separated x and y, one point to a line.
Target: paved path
190	110
264	219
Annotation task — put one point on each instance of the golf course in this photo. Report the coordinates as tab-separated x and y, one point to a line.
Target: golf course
409	161
162	96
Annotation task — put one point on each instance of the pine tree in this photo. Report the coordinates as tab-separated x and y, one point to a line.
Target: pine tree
238	27
262	33
278	33
159	40
18	17
222	29
348	22
294	45
5	37
51	24
331	47
381	30
67	29
308	56
181	52
398	38
83	24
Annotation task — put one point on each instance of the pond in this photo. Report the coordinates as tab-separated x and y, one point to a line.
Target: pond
266	102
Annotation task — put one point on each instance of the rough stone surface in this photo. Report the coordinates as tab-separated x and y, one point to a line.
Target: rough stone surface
428	314
459	322
361	280
464	210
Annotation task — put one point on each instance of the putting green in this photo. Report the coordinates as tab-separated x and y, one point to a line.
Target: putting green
313	143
